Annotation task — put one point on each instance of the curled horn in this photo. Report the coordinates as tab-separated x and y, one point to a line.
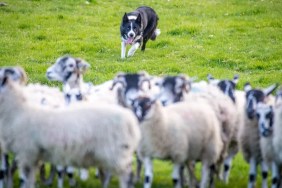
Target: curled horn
23	75
186	83
117	80
145	78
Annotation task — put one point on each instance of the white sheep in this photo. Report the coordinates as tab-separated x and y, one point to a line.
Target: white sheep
265	116
277	138
180	88
248	134
181	132
104	136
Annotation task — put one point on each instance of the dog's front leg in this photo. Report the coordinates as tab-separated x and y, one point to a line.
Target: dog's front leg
133	49
123	49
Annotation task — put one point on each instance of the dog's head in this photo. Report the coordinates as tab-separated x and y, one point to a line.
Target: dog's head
130	28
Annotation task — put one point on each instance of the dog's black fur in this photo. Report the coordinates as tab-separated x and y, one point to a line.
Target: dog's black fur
139	26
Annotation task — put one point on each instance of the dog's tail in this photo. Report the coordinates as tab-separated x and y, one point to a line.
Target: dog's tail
156	33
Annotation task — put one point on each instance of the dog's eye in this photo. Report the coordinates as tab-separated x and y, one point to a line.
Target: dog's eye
128	28
70	65
134	27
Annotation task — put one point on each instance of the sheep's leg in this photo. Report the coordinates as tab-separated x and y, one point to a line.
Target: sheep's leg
212	173
70	172
227	167
264	173
252	173
105	177
148	172
275	174
22	178
126	180
4	169
205	175
29	172
192	178
97	173
176	176
60	171
138	170
84	174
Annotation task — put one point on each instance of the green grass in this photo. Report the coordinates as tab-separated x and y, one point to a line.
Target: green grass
198	37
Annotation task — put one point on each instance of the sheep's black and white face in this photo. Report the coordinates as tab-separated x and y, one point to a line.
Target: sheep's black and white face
67	69
16	74
131	86
264	115
172	89
141	107
226	86
255	96
278	99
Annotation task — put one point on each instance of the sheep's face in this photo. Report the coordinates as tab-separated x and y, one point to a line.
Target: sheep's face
255	96
16	74
172	89
264	115
67	69
226	86
142	107
278	99
132	86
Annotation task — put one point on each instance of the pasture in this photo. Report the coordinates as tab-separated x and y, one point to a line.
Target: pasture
197	37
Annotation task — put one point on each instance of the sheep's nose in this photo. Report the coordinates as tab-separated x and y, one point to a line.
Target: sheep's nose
164	103
48	74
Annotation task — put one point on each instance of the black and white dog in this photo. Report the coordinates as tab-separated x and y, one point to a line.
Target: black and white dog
137	28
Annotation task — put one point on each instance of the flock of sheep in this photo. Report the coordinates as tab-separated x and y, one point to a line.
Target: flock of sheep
170	118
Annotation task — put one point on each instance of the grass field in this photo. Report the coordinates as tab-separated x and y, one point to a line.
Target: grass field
222	37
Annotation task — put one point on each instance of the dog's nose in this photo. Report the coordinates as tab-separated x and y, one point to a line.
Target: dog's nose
131	35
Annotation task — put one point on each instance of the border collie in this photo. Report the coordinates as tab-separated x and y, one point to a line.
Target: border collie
137	28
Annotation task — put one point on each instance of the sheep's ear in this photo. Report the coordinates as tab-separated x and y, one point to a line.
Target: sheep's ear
270	89
125	18
236	79
247	87
82	65
210	78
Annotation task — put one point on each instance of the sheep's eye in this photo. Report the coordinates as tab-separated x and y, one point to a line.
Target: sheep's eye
257	115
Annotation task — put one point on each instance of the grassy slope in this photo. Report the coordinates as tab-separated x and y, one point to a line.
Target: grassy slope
198	37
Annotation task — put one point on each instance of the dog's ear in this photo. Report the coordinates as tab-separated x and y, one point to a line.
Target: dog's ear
125	18
138	19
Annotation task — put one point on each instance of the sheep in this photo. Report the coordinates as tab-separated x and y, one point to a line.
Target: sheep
180	132
228	88
180	88
37	95
265	116
248	134
277	138
80	144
